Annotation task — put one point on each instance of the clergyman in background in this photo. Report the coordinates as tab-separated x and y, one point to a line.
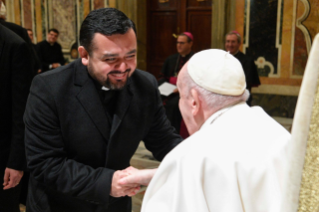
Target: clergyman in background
232	44
170	70
50	51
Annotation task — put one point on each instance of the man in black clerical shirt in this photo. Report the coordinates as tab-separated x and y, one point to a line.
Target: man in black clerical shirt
50	51
232	44
170	69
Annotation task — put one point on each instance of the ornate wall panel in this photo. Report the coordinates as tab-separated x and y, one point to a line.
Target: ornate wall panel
64	15
278	34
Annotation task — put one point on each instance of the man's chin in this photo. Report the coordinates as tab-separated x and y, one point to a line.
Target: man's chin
118	85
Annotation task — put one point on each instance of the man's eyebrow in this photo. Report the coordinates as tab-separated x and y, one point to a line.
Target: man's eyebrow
110	55
131	52
115	55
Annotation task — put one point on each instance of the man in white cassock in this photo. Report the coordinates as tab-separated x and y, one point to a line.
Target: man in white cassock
234	159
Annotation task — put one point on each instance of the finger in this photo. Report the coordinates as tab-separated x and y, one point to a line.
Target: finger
6	178
9	185
130	185
133	192
127	180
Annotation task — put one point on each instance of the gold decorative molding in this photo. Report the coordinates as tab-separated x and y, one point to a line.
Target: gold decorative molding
163	1
297	22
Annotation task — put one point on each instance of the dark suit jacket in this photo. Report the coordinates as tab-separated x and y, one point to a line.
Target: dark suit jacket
22	32
49	54
15	80
250	69
73	150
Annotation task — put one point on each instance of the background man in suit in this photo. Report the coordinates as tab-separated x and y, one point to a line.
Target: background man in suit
38	63
85	120
15	80
232	44
50	51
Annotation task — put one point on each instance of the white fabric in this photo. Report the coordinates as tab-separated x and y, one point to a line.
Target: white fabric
217	71
234	163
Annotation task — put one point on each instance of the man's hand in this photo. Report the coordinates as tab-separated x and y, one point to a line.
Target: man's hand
118	190
55	65
11	178
140	177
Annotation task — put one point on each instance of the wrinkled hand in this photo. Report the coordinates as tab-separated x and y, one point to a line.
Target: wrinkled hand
11	178
120	190
141	177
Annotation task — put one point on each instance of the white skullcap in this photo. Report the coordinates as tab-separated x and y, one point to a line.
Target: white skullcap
217	71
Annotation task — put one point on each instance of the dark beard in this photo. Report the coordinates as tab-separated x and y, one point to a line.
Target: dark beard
120	84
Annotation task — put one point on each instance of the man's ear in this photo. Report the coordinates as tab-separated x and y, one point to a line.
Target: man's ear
196	103
84	55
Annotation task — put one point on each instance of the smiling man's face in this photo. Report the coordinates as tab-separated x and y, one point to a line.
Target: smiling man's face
113	59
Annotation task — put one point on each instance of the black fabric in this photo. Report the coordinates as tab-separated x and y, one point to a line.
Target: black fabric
251	74
49	54
171	67
15	80
22	32
72	149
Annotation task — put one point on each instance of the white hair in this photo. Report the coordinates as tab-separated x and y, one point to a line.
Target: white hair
213	101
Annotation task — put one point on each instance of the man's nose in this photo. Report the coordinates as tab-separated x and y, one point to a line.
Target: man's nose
122	66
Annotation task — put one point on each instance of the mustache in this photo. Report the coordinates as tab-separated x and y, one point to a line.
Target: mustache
119	72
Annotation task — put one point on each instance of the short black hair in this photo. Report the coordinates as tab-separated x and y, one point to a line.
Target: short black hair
107	21
54	30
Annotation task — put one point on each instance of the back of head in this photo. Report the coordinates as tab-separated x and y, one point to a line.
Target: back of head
107	21
219	78
217	71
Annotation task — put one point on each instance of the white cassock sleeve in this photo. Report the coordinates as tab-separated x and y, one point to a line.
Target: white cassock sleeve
210	179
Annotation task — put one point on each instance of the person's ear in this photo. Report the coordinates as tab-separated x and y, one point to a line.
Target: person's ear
195	102
84	55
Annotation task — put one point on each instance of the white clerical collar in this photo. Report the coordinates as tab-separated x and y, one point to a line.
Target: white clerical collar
213	117
105	88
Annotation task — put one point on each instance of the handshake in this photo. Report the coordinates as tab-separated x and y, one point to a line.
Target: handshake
127	182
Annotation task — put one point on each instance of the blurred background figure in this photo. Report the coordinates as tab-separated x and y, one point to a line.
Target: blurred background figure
170	69
38	63
50	51
232	44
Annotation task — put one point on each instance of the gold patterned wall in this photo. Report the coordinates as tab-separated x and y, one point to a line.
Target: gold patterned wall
67	16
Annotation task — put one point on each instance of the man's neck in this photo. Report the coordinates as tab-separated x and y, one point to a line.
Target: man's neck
185	54
235	52
51	44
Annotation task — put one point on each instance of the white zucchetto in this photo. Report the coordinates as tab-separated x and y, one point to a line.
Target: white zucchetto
217	71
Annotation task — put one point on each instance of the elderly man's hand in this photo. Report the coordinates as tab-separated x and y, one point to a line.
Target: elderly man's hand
11	178
119	190
141	177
